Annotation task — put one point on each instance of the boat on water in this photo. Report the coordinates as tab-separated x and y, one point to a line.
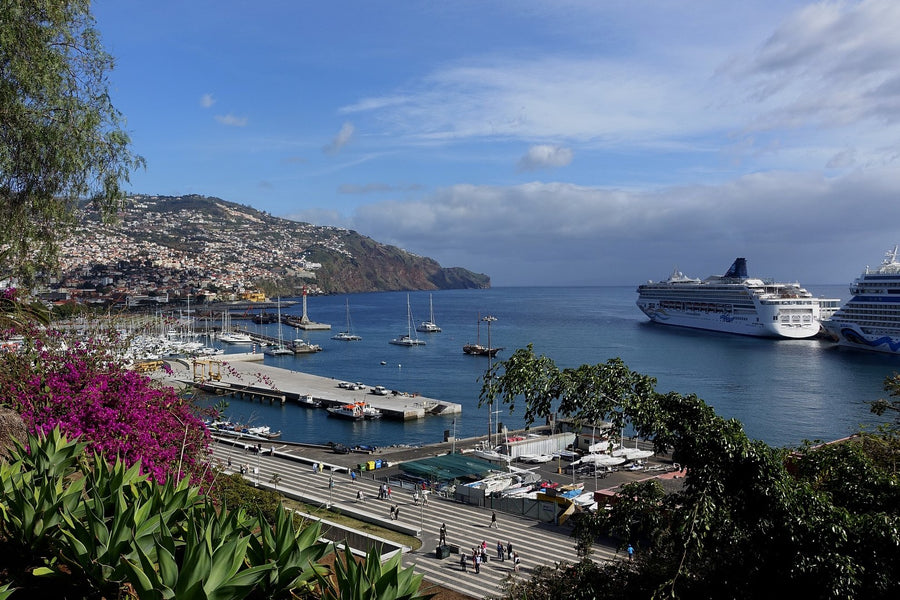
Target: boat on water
300	346
279	349
346	411
355	411
477	349
347	335
870	319
308	401
429	326
735	303
227	428
232	336
407	339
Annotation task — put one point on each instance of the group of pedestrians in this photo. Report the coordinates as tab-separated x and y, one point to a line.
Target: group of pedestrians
479	556
384	492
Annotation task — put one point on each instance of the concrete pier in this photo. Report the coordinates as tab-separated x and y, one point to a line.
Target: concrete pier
241	375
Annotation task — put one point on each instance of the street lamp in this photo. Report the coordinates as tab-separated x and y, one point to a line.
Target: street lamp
490	352
330	488
258	452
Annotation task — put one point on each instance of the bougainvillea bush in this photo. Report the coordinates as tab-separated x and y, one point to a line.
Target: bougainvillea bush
60	380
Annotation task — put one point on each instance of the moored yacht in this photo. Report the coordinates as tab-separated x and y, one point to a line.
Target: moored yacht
870	320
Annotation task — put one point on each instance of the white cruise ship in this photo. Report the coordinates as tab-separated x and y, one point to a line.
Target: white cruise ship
870	319
734	303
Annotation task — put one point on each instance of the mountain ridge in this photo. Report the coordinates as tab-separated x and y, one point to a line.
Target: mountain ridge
275	254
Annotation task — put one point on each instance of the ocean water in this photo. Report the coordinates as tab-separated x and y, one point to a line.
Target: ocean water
783	391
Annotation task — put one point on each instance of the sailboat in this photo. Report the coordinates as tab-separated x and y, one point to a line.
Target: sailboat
477	349
407	339
280	349
347	336
429	326
230	336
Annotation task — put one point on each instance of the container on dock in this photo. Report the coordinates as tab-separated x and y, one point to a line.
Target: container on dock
377	463
371	465
361	466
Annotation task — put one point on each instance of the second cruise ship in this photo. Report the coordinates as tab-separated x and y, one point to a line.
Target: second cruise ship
870	320
735	303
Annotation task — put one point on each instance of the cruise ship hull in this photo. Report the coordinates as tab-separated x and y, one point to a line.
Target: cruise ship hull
754	325
851	336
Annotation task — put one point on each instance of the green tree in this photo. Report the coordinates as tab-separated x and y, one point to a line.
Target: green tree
881	406
750	520
61	139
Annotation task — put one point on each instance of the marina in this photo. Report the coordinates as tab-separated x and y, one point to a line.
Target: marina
782	391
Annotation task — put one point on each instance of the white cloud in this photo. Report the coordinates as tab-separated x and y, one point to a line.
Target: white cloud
207	100
231	120
563	233
341	139
545	157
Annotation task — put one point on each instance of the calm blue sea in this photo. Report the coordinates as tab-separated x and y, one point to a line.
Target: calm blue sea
783	391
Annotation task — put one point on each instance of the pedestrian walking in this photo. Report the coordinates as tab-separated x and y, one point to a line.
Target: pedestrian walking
315	467
516	562
500	550
478	562
424	497
359	496
443	533
392	512
463	562
389	492
397	513
352	476
509	551
229	462
416	497
494	522
630	552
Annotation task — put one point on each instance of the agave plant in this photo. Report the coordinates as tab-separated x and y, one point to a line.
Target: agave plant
37	489
293	551
208	564
370	579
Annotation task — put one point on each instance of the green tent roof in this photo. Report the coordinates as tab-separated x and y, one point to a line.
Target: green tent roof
448	467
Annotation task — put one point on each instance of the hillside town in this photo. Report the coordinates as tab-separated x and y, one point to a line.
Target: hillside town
168	249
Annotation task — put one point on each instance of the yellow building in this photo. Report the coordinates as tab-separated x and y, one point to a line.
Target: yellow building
253	296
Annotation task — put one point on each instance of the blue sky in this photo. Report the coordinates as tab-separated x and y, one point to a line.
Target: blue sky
542	143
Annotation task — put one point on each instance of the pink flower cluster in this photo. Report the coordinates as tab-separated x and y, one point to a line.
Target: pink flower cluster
116	411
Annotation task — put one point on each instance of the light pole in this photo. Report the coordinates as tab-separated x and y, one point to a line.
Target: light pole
490	352
258	452
330	488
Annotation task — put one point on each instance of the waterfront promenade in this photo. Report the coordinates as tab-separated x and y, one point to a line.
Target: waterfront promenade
466	526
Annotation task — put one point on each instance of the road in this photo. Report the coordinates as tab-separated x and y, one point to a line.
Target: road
467	526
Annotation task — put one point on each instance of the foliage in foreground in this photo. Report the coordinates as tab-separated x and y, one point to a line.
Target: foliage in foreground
97	530
55	380
61	139
73	525
750	521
